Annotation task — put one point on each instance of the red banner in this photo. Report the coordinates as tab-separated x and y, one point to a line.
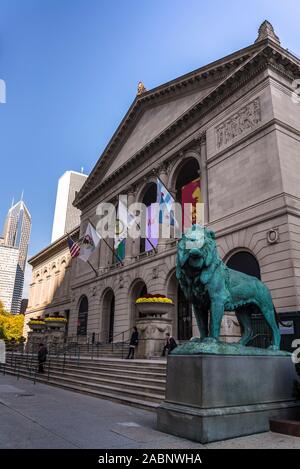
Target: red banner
190	194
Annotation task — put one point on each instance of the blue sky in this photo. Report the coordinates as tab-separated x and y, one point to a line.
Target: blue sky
71	69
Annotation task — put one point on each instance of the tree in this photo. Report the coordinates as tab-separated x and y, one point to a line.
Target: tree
2	310
11	325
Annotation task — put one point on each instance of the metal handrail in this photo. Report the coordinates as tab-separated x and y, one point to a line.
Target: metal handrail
121	333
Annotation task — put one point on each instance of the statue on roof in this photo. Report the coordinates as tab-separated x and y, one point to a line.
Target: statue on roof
141	88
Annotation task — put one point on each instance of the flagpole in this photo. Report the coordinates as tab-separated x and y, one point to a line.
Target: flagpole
113	251
149	241
139	227
92	268
107	244
171	192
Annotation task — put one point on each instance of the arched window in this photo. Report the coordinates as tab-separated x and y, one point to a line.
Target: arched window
244	261
189	172
188	191
83	316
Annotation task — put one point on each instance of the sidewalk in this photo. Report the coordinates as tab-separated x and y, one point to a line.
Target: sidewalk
41	416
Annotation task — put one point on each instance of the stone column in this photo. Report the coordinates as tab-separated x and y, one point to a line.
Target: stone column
101	259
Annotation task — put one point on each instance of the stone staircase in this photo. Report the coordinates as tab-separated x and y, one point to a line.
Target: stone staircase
140	383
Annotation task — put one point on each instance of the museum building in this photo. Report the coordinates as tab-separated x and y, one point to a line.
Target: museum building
232	128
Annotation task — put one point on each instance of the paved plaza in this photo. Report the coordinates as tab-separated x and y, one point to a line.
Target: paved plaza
42	416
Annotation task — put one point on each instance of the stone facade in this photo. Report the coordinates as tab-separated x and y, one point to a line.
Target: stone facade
49	291
235	119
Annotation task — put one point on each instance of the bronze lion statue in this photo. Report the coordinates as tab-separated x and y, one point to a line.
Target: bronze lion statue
214	288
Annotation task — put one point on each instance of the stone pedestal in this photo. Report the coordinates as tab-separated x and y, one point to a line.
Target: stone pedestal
34	338
152	335
215	397
55	337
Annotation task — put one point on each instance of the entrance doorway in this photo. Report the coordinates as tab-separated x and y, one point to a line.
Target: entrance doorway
83	316
244	261
108	316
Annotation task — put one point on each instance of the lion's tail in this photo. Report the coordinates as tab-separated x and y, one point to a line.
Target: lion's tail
278	318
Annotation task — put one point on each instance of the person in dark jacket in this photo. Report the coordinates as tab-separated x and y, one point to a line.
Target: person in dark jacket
134	340
170	344
42	357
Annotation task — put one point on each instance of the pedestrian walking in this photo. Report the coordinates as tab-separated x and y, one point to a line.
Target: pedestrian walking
42	357
134	340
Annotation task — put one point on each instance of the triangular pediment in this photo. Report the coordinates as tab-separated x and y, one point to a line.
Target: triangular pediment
152	122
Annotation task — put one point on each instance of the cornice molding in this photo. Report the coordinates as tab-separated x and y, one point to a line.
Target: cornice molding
53	248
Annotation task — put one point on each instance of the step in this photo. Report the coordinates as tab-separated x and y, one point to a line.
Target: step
140	383
119	365
125	375
108	367
143	404
149	386
100	390
137	377
122	375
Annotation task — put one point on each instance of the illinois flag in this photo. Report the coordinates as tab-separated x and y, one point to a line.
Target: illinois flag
190	197
166	203
89	243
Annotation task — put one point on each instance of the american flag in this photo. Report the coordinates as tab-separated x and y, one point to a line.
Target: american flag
74	248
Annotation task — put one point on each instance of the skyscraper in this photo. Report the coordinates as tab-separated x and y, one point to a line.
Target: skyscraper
8	267
16	234
66	216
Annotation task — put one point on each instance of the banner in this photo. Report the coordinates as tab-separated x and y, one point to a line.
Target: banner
120	251
190	194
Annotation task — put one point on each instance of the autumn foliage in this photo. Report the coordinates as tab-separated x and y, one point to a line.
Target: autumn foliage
11	325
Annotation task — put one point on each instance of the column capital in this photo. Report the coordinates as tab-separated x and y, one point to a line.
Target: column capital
164	168
131	191
202	138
